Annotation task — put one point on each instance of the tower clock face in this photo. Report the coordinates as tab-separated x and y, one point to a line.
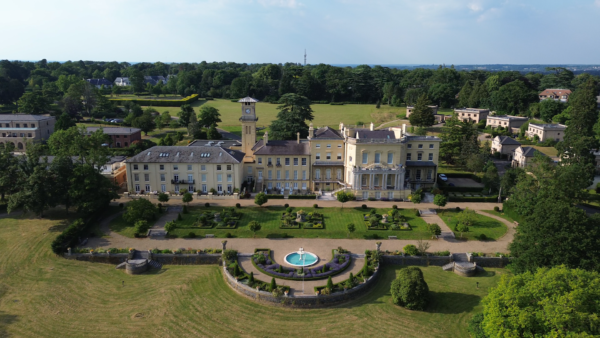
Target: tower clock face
247	110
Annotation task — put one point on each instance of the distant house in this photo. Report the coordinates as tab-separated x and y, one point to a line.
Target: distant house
122	82
546	131
99	82
505	145
121	136
154	80
20	128
410	109
513	123
523	156
472	114
561	95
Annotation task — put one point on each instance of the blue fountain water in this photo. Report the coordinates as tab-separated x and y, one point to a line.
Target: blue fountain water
306	259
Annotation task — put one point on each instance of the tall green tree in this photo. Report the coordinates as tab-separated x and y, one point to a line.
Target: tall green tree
580	137
208	116
465	95
185	114
294	111
137	81
422	115
62	169
77	142
64	122
454	134
549	108
145	122
556	302
33	103
9	170
90	190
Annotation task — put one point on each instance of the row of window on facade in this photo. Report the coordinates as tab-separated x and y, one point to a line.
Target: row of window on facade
287	161
365	195
189	167
296	176
190	188
15	135
18	125
286	185
318	145
390	158
176	178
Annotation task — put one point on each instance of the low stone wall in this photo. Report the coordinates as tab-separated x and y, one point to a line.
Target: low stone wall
165	259
136	268
417	260
489	262
301	301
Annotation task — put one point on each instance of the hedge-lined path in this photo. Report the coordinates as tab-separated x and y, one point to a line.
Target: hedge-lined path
322	204
296	286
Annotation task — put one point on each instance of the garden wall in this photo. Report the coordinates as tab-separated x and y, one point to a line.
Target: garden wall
165	259
301	301
489	262
417	260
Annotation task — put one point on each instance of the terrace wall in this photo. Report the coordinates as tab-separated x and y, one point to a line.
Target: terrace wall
165	259
304	301
417	260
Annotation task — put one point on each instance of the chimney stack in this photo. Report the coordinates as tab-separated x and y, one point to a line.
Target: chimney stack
341	126
298	137
311	131
266	137
403	129
372	125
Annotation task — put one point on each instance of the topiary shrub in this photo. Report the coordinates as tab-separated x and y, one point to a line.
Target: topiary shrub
228	235
141	228
273	285
286	205
237	205
329	283
483	237
410	290
364	206
207	204
316	206
497	209
417	213
192	234
179	218
457	209
394	207
289	210
185	209
411	250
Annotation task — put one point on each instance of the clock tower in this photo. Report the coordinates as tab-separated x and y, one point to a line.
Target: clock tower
248	120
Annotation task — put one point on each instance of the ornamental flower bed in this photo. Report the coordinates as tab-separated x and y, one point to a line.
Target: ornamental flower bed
263	262
228	219
369	268
393	220
233	267
312	220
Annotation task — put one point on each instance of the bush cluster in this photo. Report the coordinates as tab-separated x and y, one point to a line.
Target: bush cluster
158	103
410	290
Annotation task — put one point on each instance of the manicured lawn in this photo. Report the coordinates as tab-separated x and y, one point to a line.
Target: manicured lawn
122	227
499	214
325	114
335	221
492	228
550	151
44	295
445	168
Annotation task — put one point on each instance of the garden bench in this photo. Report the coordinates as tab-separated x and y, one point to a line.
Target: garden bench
392	237
209	236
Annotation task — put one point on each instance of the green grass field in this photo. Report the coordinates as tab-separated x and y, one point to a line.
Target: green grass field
488	226
550	151
43	295
336	220
325	114
499	214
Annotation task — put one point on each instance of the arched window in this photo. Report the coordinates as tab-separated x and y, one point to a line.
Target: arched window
20	145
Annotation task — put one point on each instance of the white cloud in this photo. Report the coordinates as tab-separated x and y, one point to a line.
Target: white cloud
597	2
476	7
280	3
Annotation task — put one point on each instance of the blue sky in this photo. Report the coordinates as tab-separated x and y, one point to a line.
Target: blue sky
332	31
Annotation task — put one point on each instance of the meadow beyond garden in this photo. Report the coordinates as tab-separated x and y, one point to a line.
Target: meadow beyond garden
44	295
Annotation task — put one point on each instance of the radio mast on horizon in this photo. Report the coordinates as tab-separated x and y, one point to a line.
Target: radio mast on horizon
305	56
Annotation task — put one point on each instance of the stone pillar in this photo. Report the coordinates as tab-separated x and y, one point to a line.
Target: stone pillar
378	244
371	181
224	245
69	251
384	181
150	254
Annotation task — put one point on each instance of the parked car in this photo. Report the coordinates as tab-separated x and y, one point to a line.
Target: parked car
443	177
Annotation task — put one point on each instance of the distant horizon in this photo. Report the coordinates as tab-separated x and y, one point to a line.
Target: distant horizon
345	32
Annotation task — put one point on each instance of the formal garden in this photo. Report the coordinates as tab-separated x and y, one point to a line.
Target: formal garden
469	225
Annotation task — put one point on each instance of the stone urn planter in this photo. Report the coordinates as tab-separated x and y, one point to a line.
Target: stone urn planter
217	217
300	216
384	218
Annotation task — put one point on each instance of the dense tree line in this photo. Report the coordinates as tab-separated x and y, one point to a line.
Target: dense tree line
507	91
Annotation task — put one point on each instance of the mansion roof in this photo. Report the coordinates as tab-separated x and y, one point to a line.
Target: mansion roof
114	130
327	133
530	151
507	140
179	154
281	148
24	117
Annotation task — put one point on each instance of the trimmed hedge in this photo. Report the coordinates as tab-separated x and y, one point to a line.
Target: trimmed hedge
447	188
493	199
158	103
274	197
71	235
302	197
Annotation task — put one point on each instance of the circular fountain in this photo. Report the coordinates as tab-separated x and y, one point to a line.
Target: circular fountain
301	258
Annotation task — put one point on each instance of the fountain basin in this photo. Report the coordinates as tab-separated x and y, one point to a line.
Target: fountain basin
306	259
